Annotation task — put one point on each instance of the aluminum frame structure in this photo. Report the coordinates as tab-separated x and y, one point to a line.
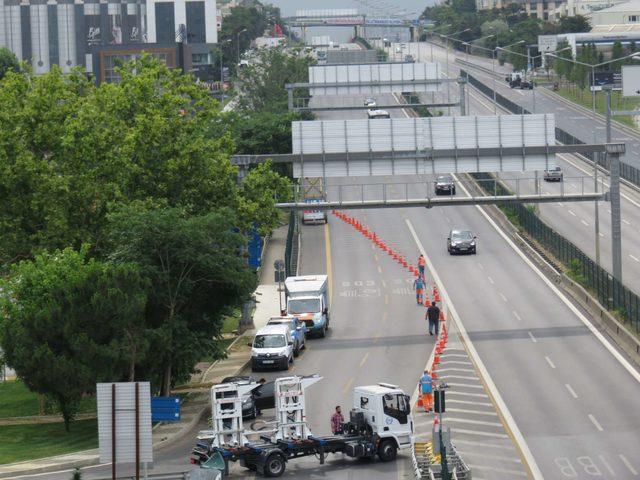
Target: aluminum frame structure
290	402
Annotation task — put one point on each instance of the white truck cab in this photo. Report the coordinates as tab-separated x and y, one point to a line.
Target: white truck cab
387	410
272	348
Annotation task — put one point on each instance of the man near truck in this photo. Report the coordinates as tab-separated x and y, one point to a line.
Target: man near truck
337	421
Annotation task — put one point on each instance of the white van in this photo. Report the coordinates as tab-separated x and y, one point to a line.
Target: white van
272	348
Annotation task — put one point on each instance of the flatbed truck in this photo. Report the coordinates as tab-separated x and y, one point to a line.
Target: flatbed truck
380	424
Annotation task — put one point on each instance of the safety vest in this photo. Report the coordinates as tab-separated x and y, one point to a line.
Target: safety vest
421	261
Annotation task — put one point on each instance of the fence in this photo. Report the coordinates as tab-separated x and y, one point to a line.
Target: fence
611	293
291	248
627	172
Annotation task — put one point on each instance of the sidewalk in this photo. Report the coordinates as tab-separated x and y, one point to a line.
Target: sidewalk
238	358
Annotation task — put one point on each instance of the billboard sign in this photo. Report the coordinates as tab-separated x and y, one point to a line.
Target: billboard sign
547	43
631	80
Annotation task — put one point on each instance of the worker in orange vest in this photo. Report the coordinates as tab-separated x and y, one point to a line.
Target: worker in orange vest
426	391
421	264
418	285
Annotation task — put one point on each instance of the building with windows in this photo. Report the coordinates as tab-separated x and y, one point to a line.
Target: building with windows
90	33
627	13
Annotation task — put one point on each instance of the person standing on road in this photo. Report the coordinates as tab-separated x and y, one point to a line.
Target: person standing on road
337	421
418	286
433	315
426	389
421	264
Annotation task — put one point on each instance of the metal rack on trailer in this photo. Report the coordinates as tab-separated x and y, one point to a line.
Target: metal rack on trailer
380	423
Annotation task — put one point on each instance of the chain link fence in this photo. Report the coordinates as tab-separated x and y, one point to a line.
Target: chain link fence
611	293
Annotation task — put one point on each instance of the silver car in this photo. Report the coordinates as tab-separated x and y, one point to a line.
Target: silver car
553	175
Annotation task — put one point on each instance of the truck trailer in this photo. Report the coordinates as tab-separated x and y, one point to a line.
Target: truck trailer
380	424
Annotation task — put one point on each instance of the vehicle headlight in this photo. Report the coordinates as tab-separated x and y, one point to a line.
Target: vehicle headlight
473	244
246	400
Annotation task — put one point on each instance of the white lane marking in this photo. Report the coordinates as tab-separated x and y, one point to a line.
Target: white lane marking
595	422
379	269
533	339
627	464
584	223
482	434
484	455
473	353
607	344
464	385
551	364
606	464
384	284
480	266
502	296
634	258
364	359
448	355
571	390
571	212
491	280
515	314
626	222
500	470
463	370
483	444
469	402
459	377
467	394
560	204
601	234
456	362
473	422
472	412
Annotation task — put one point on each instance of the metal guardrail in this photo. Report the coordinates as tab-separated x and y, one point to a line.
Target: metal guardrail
611	293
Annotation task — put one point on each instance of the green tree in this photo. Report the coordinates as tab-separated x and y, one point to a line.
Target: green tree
575	24
67	322
8	62
617	52
263	81
194	271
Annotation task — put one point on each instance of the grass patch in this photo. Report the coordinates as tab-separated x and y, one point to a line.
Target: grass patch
27	442
231	321
618	102
16	400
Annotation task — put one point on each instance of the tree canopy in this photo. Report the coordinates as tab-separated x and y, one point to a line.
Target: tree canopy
8	62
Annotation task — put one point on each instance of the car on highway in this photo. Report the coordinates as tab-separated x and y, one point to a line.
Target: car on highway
445	186
377	113
297	328
314	216
461	241
370	102
553	175
272	347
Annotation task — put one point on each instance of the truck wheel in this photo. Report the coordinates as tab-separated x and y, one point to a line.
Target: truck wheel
275	465
387	451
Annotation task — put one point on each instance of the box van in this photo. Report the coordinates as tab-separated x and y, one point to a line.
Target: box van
272	348
307	300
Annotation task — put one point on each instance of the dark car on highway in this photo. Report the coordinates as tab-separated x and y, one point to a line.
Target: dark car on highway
445	185
461	241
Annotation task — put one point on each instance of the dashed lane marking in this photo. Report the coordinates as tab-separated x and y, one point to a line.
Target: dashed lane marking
465	385
626	222
502	296
459	377
634	258
466	394
571	390
628	464
500	470
571	212
485	455
491	280
482	434
464	370
347	385
549	362
584	223
364	359
515	314
595	422
449	355
379	269
473	422
533	339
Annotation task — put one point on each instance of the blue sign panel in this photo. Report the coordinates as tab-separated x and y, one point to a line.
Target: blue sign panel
165	409
255	249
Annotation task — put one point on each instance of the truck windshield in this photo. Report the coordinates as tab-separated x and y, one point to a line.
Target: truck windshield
269	341
307	305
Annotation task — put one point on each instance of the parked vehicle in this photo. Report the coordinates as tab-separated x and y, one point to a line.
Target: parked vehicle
307	301
553	175
461	241
445	185
272	348
249	407
297	328
380	423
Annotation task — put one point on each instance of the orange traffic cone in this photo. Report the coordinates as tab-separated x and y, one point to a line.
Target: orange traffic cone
441	316
420	402
436	294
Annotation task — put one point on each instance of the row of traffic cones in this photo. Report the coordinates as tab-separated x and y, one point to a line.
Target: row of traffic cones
441	344
397	256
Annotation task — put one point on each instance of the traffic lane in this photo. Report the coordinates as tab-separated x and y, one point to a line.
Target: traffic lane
352	100
487	289
362	347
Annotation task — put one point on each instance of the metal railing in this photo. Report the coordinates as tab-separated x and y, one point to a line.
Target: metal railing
627	172
291	247
611	293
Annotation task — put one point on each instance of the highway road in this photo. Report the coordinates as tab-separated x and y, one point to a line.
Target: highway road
575	221
570	393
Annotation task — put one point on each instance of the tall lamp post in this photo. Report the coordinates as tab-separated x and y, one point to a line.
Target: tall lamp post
238	42
447	37
593	111
222	70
